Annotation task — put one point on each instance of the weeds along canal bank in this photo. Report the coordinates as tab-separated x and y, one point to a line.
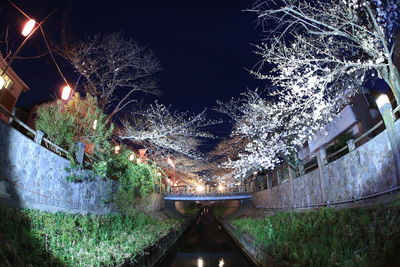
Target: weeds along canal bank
37	238
368	236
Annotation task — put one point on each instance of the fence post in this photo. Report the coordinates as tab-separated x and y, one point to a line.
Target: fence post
350	145
39	137
321	160
80	153
386	111
292	175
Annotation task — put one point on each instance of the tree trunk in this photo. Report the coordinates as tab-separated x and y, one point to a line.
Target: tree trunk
394	82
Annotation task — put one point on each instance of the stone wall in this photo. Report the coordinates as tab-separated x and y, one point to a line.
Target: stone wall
32	176
364	171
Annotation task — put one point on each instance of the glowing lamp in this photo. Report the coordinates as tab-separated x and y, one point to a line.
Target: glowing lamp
94	125
28	27
2	82
117	148
383	102
200	189
158	173
221	263
66	93
131	157
221	188
200	262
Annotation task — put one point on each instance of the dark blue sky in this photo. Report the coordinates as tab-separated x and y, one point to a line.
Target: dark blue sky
203	46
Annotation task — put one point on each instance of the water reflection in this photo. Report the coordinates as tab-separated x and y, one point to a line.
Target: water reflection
205	244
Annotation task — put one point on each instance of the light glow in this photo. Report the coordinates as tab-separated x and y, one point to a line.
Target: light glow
158	173
221	263
200	262
117	148
200	188
131	157
94	124
382	100
28	27
2	82
66	93
221	188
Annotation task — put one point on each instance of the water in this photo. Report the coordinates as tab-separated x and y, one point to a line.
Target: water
205	244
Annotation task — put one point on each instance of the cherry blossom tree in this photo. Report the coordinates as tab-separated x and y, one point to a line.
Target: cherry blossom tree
335	45
322	53
114	69
166	130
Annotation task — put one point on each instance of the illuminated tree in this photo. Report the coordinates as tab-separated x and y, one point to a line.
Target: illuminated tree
329	46
114	69
322	53
166	130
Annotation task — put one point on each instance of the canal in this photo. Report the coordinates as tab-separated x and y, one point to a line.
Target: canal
205	244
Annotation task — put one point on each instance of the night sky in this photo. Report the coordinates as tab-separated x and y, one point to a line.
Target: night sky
204	47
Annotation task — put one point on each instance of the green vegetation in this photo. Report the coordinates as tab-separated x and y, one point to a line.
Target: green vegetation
34	238
66	123
136	180
329	237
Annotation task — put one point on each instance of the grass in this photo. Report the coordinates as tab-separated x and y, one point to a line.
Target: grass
31	237
329	237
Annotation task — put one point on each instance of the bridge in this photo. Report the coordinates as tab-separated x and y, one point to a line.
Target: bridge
207	193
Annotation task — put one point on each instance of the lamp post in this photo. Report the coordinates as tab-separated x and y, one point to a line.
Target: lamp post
386	111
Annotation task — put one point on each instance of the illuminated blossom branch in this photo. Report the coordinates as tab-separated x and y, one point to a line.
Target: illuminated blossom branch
334	45
114	69
169	131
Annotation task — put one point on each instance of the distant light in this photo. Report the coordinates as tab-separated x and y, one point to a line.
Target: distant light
94	124
255	173
2	82
28	27
382	100
221	188
221	263
200	189
200	262
131	157
117	148
158	173
66	93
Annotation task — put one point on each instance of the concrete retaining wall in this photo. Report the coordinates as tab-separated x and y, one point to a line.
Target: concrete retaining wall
364	171
32	176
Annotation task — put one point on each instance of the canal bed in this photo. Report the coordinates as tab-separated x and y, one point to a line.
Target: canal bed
205	244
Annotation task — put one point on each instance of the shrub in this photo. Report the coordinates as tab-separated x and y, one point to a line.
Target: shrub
70	122
135	179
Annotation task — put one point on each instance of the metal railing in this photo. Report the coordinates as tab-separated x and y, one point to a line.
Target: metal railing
37	136
212	190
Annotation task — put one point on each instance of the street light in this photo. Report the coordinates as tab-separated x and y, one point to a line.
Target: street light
66	93
200	189
94	125
28	27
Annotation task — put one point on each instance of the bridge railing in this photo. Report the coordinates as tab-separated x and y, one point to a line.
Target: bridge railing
189	189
